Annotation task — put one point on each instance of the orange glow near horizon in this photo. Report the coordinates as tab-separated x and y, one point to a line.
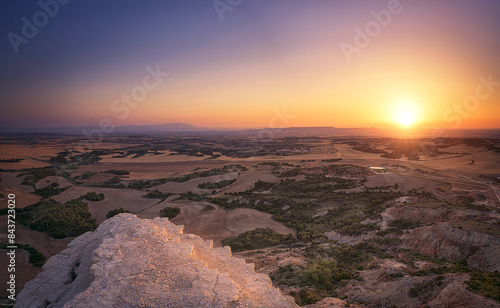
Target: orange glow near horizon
426	98
385	92
417	74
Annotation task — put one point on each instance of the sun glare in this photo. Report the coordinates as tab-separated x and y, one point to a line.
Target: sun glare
406	113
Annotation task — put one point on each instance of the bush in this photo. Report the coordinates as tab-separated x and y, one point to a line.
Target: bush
389	231
11	160
170	212
36	175
331	160
35	257
309	296
86	175
156	194
216	185
258	238
356	228
143	184
291	172
112	181
117	172
59	159
116	212
486	284
93	196
208	207
403	224
326	274
49	190
215	171
58	220
261	185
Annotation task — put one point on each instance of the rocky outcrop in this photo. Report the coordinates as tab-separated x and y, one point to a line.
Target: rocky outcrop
132	262
421	215
444	241
345	239
456	295
413	292
377	290
332	302
487	259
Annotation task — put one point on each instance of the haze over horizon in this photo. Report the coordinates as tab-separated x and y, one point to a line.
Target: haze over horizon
255	64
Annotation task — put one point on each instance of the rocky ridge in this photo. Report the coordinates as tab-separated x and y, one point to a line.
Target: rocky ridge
132	262
444	241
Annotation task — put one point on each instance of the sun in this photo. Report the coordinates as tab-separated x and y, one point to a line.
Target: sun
406	113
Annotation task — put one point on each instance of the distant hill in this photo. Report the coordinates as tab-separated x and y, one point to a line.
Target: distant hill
189	129
324	131
129	129
169	127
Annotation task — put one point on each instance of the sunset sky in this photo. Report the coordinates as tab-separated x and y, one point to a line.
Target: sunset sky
423	68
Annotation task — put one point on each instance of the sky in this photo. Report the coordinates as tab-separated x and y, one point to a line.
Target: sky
250	63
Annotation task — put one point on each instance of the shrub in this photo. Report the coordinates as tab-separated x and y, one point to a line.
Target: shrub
35	257
86	175
216	185
58	220
117	172
170	212
36	175
258	238
215	171
403	224
486	284
93	196
11	160
49	190
308	296
114	212
156	194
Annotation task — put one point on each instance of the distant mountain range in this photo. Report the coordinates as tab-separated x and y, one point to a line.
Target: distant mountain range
129	129
188	129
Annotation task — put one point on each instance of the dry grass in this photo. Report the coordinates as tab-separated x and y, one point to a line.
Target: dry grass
52	179
149	169
129	199
11	179
23	198
192	185
41	241
247	180
219	224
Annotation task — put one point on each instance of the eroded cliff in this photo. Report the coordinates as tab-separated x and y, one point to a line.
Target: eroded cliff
132	262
